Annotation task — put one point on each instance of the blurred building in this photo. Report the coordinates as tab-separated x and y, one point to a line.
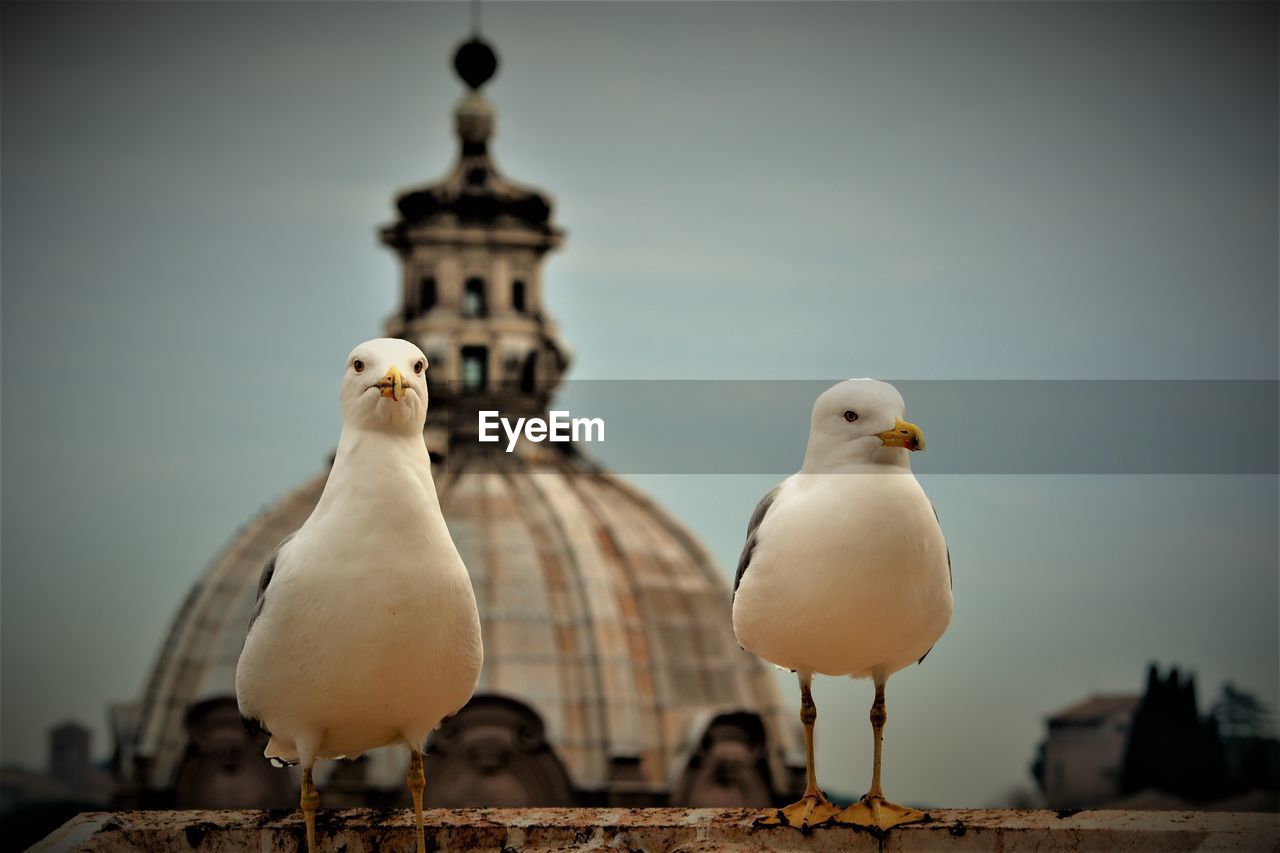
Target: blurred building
1156	751
69	756
1083	756
611	675
70	777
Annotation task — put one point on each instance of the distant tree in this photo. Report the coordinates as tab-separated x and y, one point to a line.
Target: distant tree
1252	755
1241	714
1171	748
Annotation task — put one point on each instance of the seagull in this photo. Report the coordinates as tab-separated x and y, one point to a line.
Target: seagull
845	572
365	632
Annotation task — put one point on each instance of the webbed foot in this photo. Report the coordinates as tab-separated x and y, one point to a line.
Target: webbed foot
878	813
809	811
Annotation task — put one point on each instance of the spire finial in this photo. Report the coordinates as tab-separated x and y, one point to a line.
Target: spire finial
475	62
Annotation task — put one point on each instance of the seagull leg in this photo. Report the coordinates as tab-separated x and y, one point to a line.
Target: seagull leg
417	782
310	802
812	809
873	810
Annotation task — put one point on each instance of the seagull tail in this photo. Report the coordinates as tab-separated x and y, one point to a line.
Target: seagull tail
280	754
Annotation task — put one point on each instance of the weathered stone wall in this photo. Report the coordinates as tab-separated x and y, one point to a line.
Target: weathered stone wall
530	830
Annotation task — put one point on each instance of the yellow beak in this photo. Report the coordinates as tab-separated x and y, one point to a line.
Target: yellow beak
903	434
392	384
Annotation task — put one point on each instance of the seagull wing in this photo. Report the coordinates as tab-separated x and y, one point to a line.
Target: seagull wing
757	516
264	580
951	581
950	578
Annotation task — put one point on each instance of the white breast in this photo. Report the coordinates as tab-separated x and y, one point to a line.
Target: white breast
849	576
370	634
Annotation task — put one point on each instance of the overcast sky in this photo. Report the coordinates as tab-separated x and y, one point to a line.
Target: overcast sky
751	191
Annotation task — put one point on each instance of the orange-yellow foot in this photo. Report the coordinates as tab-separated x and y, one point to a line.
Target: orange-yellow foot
879	814
809	811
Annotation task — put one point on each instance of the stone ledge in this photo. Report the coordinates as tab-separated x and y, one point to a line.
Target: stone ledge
686	830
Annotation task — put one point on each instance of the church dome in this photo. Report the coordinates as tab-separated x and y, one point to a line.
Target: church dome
610	659
611	672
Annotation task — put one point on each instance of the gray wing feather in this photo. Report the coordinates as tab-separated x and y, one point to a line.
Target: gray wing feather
757	516
950	578
951	581
255	726
264	580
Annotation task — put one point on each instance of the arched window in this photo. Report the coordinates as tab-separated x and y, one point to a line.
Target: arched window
222	766
494	752
473	301
529	374
475	369
426	294
730	767
517	296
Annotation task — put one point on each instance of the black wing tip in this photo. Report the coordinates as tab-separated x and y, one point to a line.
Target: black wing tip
259	732
254	726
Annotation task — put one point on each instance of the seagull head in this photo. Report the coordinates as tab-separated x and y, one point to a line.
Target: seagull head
384	386
859	422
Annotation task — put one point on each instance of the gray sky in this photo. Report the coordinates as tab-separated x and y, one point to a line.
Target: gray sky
915	191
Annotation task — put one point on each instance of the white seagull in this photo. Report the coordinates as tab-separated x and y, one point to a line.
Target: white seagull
845	572
365	632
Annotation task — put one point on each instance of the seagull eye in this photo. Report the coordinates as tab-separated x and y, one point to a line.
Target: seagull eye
358	365
850	415
419	366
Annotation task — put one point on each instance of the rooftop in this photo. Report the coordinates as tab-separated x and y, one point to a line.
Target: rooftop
1096	708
